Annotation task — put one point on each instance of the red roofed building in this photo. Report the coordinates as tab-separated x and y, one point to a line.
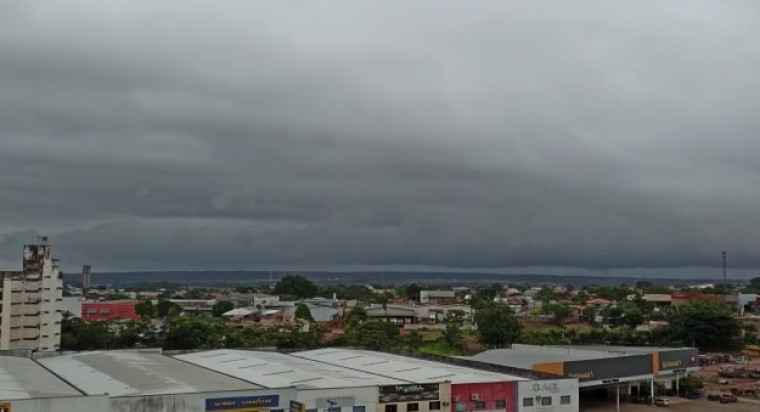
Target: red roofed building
599	302
109	310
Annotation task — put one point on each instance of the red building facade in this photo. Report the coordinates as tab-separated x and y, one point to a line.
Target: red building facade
490	396
117	309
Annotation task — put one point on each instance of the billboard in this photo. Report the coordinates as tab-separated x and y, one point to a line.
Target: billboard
678	359
409	393
609	368
242	403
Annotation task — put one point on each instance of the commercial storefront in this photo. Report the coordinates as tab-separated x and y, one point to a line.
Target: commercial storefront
424	397
559	395
486	397
356	399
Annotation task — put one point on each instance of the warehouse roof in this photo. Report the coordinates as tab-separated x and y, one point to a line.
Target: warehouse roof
23	378
525	356
401	367
625	349
273	370
134	372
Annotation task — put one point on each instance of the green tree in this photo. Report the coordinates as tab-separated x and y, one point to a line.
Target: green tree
753	287
193	332
497	325
145	309
221	307
558	312
296	286
452	333
303	312
163	307
589	314
708	324
411	341
300	335
357	315
625	315
373	334
412	292
255	336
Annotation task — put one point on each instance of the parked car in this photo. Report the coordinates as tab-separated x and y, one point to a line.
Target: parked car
662	401
728	398
714	397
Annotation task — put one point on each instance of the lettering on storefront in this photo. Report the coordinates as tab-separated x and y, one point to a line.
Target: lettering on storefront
242	403
409	393
671	364
336	402
581	375
550	387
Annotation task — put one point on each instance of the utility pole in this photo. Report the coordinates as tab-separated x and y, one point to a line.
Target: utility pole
723	254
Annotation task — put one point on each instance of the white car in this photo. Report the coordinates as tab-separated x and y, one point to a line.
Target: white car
662	401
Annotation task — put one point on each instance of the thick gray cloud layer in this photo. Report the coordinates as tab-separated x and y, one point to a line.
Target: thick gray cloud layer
183	134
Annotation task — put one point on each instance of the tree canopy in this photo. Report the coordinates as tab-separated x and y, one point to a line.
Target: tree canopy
221	307
708	324
303	312
297	286
145	309
497	325
373	334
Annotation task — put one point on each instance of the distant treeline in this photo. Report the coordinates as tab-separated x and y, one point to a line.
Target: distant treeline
235	278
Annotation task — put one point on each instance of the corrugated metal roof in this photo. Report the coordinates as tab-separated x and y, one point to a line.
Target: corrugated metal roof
525	356
23	378
131	372
273	370
402	367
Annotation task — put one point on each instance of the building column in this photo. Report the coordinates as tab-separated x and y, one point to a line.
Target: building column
677	387
651	390
617	397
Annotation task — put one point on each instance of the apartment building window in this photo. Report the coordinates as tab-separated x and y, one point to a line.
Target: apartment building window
564	400
412	407
391	408
527	401
500	404
434	406
461	407
480	405
358	409
546	401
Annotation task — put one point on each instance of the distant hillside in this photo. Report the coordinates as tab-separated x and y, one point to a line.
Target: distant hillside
235	278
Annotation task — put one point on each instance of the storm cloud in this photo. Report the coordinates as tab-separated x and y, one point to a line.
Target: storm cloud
600	135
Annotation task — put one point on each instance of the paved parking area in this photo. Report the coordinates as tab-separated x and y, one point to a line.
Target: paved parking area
699	405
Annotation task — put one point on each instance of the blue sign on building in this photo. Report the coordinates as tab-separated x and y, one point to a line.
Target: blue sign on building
242	403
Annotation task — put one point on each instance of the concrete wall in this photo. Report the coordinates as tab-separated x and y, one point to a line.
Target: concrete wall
555	389
63	404
192	402
347	398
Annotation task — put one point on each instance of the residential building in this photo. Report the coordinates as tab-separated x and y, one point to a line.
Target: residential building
438	296
30	302
196	306
86	276
397	314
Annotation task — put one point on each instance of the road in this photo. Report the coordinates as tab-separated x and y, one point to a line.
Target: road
699	405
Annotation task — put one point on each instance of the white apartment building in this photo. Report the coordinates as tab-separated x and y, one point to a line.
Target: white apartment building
31	302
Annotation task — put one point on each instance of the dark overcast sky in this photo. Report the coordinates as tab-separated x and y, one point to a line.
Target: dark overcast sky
613	136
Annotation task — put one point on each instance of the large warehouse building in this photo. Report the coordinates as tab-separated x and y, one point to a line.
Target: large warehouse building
326	380
622	368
